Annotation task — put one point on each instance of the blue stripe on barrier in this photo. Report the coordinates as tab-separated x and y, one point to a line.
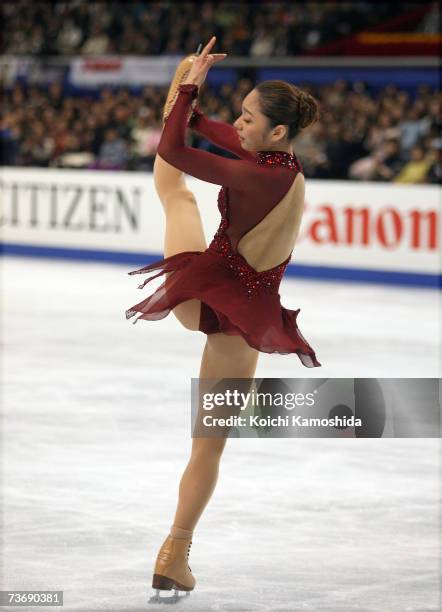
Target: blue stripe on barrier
90	255
362	275
433	281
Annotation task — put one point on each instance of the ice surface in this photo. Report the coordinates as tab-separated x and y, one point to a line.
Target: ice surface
96	434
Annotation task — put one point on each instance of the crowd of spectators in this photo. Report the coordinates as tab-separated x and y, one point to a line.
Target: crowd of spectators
390	136
256	28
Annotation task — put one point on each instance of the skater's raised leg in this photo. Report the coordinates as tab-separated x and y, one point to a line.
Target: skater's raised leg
184	229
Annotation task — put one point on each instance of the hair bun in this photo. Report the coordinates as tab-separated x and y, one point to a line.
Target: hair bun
284	103
308	109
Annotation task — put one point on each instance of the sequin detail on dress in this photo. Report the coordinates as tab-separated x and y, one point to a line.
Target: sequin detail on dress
255	283
279	158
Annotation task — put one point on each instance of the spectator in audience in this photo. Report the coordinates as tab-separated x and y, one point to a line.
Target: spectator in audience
389	161
60	135
434	174
75	154
113	153
145	135
412	128
416	170
55	96
382	165
69	38
10	136
97	43
263	44
38	147
381	131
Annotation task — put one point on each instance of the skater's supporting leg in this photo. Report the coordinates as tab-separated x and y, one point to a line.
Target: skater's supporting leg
224	357
184	229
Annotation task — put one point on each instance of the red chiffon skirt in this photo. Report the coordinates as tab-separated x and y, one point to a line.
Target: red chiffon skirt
226	307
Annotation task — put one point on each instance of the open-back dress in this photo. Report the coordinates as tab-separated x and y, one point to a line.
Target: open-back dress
237	277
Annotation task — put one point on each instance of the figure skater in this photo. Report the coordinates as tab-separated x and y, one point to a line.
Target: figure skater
228	290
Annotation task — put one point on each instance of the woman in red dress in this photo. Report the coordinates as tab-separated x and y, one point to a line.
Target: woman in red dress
228	290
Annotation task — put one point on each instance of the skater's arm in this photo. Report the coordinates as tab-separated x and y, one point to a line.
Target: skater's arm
236	173
220	133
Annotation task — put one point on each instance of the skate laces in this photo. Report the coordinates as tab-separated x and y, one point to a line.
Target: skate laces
188	551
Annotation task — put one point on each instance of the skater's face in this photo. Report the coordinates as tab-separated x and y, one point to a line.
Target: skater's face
254	129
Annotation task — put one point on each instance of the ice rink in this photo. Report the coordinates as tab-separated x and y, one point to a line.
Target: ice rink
96	434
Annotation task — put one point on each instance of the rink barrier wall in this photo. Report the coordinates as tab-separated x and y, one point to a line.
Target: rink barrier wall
351	231
294	270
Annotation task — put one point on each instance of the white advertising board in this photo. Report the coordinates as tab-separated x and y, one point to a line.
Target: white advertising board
346	225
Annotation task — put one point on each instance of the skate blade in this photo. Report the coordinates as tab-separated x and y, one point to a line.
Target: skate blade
170	599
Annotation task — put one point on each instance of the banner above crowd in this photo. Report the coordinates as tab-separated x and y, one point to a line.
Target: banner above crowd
90	72
122	70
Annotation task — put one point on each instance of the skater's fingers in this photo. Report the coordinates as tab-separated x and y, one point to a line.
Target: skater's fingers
213	59
217	57
209	45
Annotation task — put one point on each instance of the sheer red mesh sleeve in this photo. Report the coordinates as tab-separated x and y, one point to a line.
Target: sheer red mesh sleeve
235	173
254	188
220	133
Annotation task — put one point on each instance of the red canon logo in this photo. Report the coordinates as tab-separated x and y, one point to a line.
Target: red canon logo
388	227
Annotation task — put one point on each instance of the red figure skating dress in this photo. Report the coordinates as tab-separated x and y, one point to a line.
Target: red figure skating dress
235	298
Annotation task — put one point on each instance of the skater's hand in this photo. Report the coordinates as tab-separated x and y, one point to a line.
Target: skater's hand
202	64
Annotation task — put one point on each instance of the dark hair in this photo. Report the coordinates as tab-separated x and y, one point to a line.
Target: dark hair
286	104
